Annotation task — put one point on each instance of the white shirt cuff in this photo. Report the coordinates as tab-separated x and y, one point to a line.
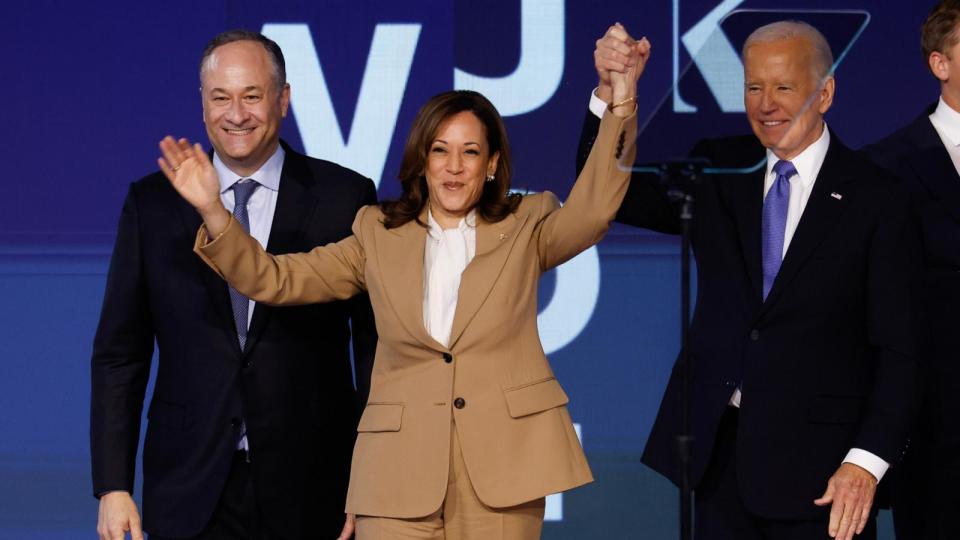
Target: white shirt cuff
597	105
735	399
867	460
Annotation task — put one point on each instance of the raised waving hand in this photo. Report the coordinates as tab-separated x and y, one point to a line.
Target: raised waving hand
192	174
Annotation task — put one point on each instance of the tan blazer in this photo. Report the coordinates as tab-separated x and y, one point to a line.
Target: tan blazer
493	381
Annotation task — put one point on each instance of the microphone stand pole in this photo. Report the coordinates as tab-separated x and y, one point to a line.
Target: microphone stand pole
680	177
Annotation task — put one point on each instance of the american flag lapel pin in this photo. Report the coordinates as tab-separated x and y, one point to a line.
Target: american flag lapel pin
836	195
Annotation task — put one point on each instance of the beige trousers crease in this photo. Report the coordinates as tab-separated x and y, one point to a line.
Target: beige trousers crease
462	516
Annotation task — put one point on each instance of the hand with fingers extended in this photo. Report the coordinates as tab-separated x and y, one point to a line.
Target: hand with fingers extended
620	61
850	491
193	176
117	516
617	52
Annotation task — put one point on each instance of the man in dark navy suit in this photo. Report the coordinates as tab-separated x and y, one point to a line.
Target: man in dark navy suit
925	154
803	355
253	415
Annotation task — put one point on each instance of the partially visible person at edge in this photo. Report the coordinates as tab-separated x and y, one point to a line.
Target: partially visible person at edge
254	413
803	354
466	430
925	155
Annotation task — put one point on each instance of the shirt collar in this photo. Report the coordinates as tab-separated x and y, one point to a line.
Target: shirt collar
948	121
436	231
808	162
268	175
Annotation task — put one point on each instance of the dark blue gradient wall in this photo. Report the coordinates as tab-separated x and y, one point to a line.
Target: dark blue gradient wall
88	89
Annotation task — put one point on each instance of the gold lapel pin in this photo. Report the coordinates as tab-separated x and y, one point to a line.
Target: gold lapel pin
503	236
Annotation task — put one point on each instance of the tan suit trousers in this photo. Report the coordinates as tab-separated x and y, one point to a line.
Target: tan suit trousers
461	517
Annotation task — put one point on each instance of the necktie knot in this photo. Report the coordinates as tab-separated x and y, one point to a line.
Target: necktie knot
784	168
242	191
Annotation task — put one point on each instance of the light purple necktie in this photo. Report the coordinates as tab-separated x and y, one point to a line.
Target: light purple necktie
774	223
241	304
242	191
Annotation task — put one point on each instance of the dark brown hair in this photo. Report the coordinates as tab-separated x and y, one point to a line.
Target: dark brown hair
495	202
938	33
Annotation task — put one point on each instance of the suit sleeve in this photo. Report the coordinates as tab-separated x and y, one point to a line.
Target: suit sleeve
120	365
363	327
588	136
324	274
595	196
645	203
893	319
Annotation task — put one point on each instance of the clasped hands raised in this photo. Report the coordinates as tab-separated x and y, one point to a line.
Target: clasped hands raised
619	60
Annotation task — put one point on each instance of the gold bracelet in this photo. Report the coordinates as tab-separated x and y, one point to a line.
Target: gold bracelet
613	106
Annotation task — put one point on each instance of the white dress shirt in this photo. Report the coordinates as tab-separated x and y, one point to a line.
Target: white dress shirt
447	254
808	164
263	201
260	210
947	123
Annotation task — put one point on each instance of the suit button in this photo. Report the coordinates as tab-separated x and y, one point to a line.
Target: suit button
447	357
754	335
459	403
235	422
248	364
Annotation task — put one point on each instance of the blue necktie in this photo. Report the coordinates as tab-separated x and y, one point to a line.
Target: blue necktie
774	223
241	304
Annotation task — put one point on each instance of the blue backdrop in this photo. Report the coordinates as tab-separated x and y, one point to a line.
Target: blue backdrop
89	88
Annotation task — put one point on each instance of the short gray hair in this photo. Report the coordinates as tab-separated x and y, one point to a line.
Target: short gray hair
240	34
822	63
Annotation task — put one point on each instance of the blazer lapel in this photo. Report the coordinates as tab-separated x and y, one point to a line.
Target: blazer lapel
296	204
820	215
748	209
215	285
933	165
399	255
494	243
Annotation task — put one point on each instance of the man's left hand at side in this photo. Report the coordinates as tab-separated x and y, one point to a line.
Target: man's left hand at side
850	491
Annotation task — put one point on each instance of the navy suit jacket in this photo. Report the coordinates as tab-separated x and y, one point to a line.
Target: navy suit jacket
292	384
916	154
827	362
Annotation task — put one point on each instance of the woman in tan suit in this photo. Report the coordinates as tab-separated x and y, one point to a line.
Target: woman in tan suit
466	429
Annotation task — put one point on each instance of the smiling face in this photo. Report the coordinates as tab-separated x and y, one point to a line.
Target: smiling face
783	98
458	162
242	106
